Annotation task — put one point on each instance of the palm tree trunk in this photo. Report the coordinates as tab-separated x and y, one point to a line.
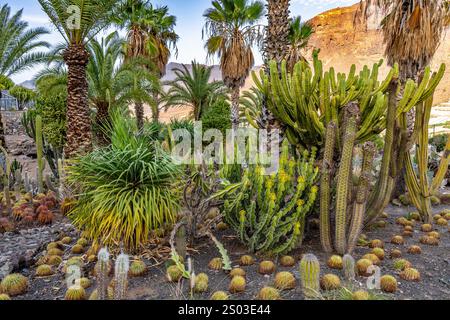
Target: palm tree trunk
139	111
102	122
235	93
79	131
2	128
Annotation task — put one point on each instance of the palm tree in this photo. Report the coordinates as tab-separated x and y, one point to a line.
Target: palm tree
194	89
231	31
151	35
412	31
102	72
18	45
299	35
78	21
277	30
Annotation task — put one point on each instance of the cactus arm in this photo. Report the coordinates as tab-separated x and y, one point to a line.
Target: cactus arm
325	188
443	167
359	207
343	176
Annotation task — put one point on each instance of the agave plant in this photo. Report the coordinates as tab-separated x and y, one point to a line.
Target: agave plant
126	189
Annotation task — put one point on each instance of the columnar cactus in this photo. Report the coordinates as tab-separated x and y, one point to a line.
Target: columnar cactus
121	276
310	276
40	154
17	184
102	273
6	175
348	263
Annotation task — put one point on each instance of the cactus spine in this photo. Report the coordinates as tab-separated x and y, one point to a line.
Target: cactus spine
121	276
40	153
102	273
310	276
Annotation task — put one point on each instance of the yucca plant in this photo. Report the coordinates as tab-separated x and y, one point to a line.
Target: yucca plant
125	190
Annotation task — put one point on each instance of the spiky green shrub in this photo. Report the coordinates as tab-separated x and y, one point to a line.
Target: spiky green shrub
268	211
127	189
217	116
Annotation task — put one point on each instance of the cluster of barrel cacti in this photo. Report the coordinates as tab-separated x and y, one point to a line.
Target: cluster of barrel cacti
269	211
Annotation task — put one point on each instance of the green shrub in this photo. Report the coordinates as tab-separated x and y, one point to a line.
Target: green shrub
5	83
23	95
126	189
52	109
217	116
269	211
439	142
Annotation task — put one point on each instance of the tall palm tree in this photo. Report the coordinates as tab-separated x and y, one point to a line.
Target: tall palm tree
151	35
412	31
102	72
18	45
232	31
299	35
78	21
277	30
194	89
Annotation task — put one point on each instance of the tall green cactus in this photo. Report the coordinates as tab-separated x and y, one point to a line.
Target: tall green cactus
40	158
6	180
17	184
310	276
269	211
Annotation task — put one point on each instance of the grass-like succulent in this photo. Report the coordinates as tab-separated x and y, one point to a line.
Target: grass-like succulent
285	281
174	274
268	293
330	282
414	250
362	266
75	292
137	268
44	270
14	284
246	260
426	227
379	253
237	272
395	253
127	188
237	284
388	284
215	264
335	262
77	249
220	295
287	261
401	264
266	267
397	240
376	243
410	274
360	295
372	257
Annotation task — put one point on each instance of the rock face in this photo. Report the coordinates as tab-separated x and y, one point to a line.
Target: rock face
341	45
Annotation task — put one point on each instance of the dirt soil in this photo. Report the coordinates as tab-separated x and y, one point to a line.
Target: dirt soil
433	264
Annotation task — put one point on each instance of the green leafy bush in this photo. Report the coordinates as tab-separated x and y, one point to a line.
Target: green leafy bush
126	189
269	211
23	95
5	83
52	109
217	116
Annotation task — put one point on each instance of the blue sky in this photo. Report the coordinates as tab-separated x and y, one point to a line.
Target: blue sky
189	25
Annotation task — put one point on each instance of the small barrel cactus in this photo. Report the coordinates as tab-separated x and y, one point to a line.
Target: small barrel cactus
379	253
285	281
219	295
376	243
14	284
360	295
287	261
397	240
54	260
335	262
434	234
44	271
410	274
388	284
427	227
75	292
201	283
268	293
215	264
414	250
174	274
77	249
310	275
4	297
372	257
362	266
137	268
401	264
246	260
237	284
442	222
395	253
330	282
55	252
237	272
66	240
266	267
